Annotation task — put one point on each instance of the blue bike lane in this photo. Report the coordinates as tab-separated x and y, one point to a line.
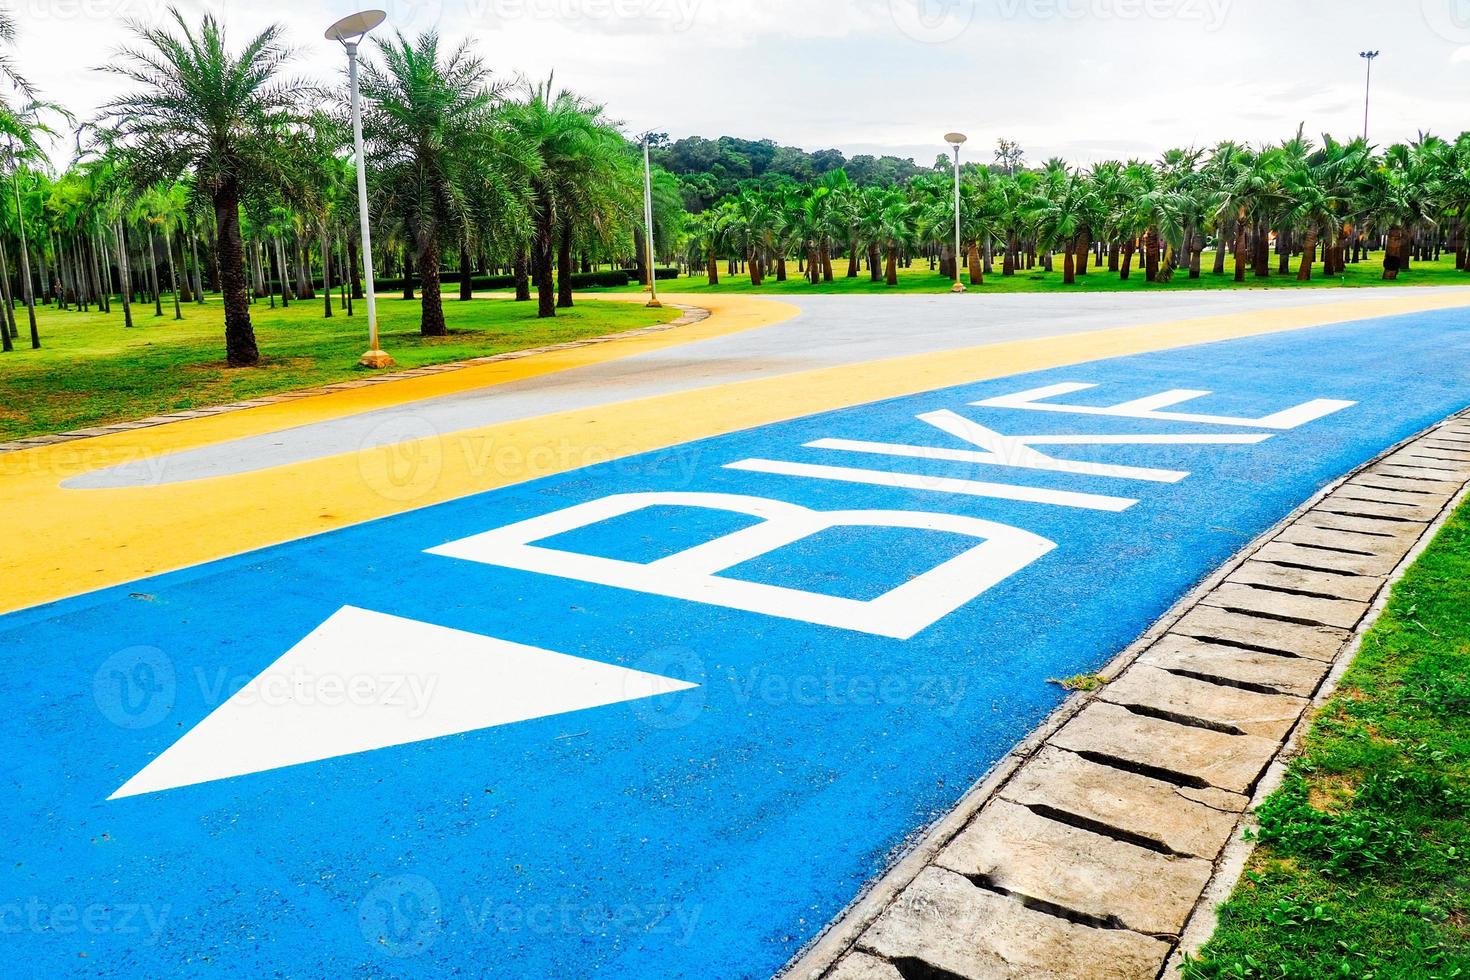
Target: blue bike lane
660	716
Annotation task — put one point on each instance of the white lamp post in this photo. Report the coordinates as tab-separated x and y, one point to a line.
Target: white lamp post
350	30
955	139
1367	56
648	227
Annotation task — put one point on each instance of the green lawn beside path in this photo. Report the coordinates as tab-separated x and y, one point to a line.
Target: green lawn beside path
91	370
1363	866
919	279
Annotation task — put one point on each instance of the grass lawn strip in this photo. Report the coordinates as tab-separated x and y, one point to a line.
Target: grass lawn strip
91	370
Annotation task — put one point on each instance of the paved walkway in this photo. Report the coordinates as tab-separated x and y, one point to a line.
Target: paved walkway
653	684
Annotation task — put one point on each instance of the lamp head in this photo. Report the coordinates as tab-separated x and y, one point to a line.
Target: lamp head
351	28
955	139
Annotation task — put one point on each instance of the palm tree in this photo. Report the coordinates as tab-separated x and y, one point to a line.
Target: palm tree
433	136
1061	218
894	229
222	116
579	172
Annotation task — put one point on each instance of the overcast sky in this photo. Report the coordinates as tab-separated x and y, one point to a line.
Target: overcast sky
1082	79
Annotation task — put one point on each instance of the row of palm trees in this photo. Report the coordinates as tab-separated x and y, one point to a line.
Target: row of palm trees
213	170
1302	198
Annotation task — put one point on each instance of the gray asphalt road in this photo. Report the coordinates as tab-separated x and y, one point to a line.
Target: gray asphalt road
830	331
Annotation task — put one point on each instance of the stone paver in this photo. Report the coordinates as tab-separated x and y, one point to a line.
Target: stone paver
1239	629
1198	755
1446	488
1177	819
861	966
949	924
1287	553
1110	881
1343	613
1362	490
1338	503
1349	541
1261	671
1359	588
1229	708
1412	471
1360	524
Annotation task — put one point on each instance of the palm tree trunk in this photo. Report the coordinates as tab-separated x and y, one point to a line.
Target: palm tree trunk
564	268
466	274
523	283
712	268
1008	263
1309	255
240	347
431	317
1283	251
541	249
1391	252
852	259
1240	247
304	287
781	266
640	260
875	262
326	270
198	273
1069	266
1219	267
173	276
977	270
8	326
1151	255
826	254
354	266
94	269
152	275
1127	266
890	276
125	284
283	271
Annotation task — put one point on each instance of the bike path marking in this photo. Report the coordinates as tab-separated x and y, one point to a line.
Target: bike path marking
780	724
73	541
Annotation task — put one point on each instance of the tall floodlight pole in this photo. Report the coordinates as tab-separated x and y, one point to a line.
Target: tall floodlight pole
954	140
1367	56
648	227
350	30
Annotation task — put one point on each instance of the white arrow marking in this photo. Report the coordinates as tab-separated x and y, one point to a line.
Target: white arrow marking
364	680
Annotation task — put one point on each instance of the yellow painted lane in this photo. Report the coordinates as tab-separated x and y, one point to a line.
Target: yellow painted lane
64	542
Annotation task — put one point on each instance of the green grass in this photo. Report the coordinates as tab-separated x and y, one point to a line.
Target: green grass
1363	866
918	279
91	370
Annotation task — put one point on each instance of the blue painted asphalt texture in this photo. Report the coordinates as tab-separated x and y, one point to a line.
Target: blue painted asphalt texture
705	833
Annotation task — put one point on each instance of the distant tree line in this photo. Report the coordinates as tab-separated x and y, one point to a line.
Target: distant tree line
710	169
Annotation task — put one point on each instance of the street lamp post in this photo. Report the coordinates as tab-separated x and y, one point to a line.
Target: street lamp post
1367	56
350	30
955	139
648	227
